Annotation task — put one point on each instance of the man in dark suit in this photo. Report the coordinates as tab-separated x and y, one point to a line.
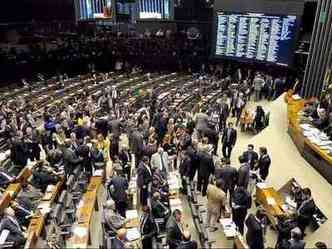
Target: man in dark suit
206	168
71	160
148	227
184	170
159	209
228	176
144	179
117	188
241	202
255	235
306	210
194	165
223	115
136	144
19	153
250	156
10	223
264	163
228	139
243	173
174	229
84	152
187	243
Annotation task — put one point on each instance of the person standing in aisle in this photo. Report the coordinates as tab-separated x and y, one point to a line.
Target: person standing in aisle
228	139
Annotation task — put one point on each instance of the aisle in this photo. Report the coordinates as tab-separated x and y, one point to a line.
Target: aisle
286	163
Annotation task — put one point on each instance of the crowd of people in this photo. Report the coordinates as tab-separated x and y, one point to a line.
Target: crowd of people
160	140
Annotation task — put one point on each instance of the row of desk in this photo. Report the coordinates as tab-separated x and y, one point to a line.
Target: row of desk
318	158
83	227
38	221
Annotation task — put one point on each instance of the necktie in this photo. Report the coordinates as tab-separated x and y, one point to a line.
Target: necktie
162	162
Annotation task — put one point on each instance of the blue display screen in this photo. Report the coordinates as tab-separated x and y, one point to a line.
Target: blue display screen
255	36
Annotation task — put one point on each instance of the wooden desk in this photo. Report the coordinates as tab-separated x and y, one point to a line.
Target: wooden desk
4	202
24	175
31	241
37	222
82	230
13	189
264	197
318	158
36	225
239	243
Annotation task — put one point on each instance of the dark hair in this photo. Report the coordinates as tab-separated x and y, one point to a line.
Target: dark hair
177	211
145	159
307	191
251	146
320	245
260	214
263	150
219	183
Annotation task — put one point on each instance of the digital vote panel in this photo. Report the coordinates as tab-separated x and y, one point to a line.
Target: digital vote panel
255	36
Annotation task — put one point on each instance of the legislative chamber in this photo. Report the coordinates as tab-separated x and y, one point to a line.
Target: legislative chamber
165	124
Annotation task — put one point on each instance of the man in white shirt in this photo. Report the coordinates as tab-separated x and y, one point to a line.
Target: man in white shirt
160	161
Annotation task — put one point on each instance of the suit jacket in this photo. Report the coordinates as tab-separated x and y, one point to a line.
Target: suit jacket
144	177
158	209
185	166
194	161
263	165
157	163
15	232
216	198
228	175
136	142
148	227
206	165
70	160
119	185
307	209
243	176
252	156
174	234
191	244
224	111
19	153
117	244
232	139
254	235
241	199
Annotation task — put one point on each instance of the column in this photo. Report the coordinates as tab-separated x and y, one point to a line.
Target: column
320	53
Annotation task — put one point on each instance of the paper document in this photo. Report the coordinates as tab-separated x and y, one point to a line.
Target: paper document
133	234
